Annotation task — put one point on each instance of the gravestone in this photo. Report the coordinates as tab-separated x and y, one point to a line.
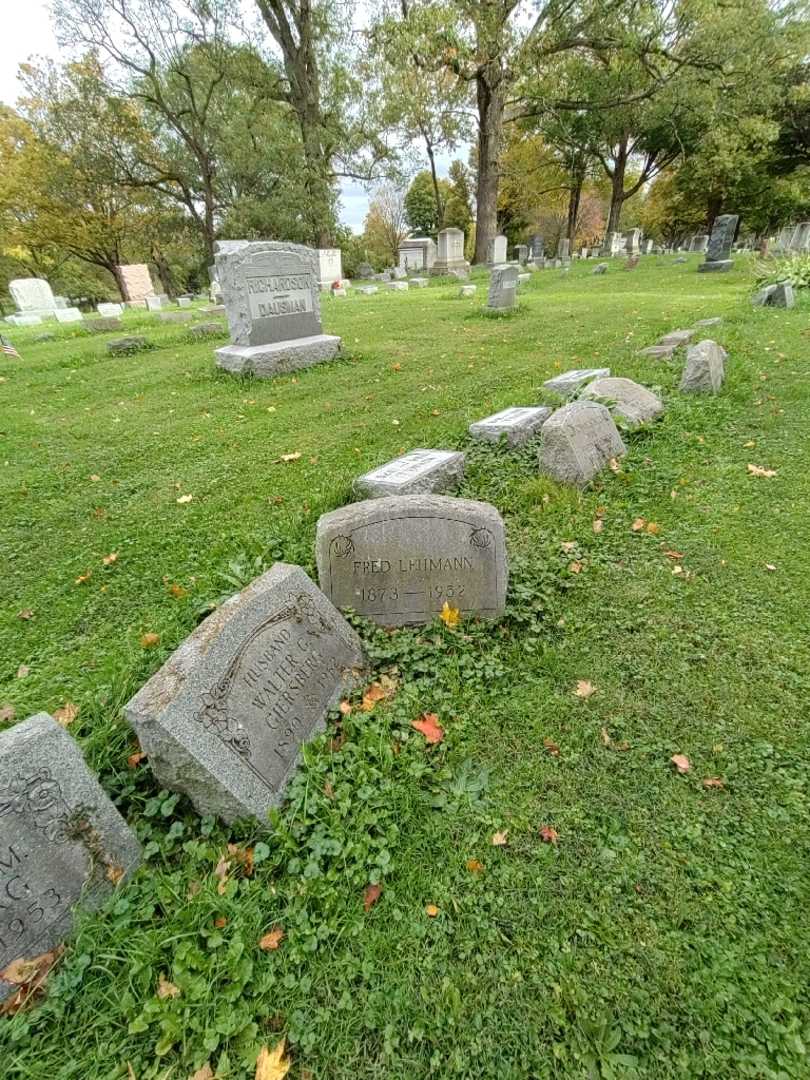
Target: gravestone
632	241
154	303
467	290
101	326
704	370
564	249
62	842
175	316
600	268
330	266
32	296
649	246
224	719
523	278
536	247
450	258
699	242
417	471
780	295
399	560
522	253
632	263
676	338
272	298
126	345
715	321
68	315
368	290
518	424
720	242
502	293
110	311
337	292
397	273
417	253
419	282
578	441
397	286
136	284
567	384
217	309
24	320
496	251
625	399
206	330
658	352
365	271
184	301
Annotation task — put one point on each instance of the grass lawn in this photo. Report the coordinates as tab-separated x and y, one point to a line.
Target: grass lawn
665	933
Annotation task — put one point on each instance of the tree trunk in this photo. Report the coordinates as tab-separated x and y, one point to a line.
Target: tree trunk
489	86
436	193
617	187
714	206
164	272
574	198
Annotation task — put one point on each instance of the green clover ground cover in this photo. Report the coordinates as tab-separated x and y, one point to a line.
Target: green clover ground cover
665	933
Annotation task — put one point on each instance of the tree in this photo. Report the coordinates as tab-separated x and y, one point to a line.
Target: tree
422	214
385	227
458	208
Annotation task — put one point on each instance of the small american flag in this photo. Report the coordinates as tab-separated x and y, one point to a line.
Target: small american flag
7	347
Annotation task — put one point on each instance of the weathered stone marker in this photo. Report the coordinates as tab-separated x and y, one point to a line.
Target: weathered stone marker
175	316
704	370
717	253
676	338
467	290
658	352
110	311
136	284
496	250
272	298
398	561
450	258
518	423
103	326
414	472
224	719
503	284
126	345
780	295
68	315
62	842
578	440
624	398
569	382
33	297
600	268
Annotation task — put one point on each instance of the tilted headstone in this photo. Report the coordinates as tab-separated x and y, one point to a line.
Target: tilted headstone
224	719
502	288
780	295
68	315
467	290
32	296
103	326
600	268
398	561
110	311
450	257
522	254
415	472
136	284
330	266
518	424
676	338
154	303
126	345
578	441
62	842
625	399
417	253
567	384
272	299
365	271
720	242
419	282
496	251
704	370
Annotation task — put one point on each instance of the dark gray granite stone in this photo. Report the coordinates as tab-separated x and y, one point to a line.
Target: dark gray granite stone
503	284
416	471
399	560
62	842
104	325
578	441
780	295
126	345
226	716
720	243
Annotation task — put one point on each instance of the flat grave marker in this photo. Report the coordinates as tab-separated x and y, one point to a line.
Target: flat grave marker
416	471
519	423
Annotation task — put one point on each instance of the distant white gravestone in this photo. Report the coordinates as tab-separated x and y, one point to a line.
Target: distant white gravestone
33	296
330	267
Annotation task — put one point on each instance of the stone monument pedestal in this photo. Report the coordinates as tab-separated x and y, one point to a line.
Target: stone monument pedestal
717	265
279	357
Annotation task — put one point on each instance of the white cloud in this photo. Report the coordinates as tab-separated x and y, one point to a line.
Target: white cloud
28	33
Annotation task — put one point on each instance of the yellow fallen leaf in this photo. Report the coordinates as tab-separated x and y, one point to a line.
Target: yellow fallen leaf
614	465
758	470
272	939
149	641
166	989
431	911
222	871
291	457
82	578
500	839
67	714
653	529
272	1064
450	616
584	689
598	525
185	499
108	560
638	524
474	866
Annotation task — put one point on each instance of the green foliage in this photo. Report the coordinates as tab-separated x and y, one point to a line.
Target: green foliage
422	214
794	268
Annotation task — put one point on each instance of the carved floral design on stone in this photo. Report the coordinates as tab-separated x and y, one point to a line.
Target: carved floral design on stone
481	538
304	610
38	796
342	546
214	716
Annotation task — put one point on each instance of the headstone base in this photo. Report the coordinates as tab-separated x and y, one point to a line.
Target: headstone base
720	265
278	358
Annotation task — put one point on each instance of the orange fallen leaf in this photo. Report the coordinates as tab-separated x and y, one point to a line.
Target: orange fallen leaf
500	839
108	560
220	921
681	763
67	714
674	554
638	524
114	873
166	989
450	616
474	866
29	976
242	856
575	567
549	835
150	640
428	724
178	592
135	759
371	894
272	939
373	694
431	911
552	747
396	367
82	578
272	1064
584	689
714	782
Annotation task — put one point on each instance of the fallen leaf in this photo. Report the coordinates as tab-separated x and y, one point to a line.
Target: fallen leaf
575	567
638	524
749	445
428	724
25	614
450	616
23	670
598	525
114	873
271	940
758	470
500	839
681	763
150	640
677	569
584	689
82	578
29	976
474	866
183	499
549	835
713	782
373	694
568	546
222	871
291	457
67	714
108	560
205	1072
166	989
7	712
396	367
345	708
653	528
135	759
769	566
178	592
552	747
431	911
220	921
371	895
605	737
674	554
94	478
272	1064
242	856
614	465
328	790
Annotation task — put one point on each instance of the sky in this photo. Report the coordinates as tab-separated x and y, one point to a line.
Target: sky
32	35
